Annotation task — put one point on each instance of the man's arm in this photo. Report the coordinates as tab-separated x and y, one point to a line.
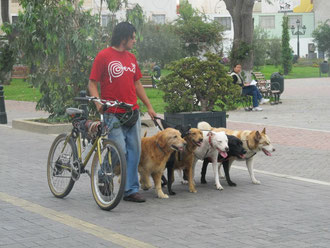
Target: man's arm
93	91
140	92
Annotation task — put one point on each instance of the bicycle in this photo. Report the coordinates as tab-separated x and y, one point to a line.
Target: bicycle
108	170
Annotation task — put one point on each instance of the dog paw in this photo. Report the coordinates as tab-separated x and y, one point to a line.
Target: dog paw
144	187
219	187
232	184
184	182
172	193
193	191
163	196
256	182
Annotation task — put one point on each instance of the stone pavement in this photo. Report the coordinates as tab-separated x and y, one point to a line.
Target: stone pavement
288	209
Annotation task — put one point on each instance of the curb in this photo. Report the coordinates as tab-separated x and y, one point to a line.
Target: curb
45	128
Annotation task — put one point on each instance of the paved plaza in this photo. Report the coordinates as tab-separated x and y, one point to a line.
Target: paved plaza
289	209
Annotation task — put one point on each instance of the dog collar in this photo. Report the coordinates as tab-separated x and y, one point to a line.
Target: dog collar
247	143
210	141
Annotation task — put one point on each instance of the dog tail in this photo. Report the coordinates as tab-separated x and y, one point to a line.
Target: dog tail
203	125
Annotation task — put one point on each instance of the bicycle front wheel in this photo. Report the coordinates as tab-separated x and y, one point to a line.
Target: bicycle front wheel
108	176
59	165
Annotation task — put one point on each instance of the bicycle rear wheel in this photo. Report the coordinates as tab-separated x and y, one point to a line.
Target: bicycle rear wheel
108	177
59	165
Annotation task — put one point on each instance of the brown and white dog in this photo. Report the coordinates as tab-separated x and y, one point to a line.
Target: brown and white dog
155	152
253	142
184	160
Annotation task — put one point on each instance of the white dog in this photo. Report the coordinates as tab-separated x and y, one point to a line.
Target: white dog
213	144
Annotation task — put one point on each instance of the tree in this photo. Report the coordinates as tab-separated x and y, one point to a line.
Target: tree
241	13
157	41
242	52
58	40
199	34
197	85
286	49
321	36
274	52
260	46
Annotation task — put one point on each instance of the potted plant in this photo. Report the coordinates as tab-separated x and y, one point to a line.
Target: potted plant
197	90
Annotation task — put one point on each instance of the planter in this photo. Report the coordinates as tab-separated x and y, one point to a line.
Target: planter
215	119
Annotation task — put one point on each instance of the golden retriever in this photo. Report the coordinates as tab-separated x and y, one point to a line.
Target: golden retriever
156	150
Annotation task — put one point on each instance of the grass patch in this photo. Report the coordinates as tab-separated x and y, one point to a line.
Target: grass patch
297	71
20	90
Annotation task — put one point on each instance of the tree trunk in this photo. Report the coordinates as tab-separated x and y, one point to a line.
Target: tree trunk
5	11
241	13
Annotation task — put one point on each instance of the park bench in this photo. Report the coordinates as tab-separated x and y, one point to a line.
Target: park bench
267	88
146	80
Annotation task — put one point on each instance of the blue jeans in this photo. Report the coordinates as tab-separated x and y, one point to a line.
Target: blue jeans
253	91
129	140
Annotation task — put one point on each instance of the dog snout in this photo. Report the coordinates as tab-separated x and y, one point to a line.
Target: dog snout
273	149
227	149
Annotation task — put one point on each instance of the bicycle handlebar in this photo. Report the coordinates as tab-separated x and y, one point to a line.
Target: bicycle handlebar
107	103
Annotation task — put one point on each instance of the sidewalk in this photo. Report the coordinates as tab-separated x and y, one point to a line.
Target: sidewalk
288	209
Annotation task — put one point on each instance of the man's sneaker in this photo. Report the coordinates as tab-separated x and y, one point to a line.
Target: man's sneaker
135	197
264	101
257	109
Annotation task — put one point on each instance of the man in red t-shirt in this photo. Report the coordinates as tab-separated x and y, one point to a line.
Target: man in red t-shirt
119	75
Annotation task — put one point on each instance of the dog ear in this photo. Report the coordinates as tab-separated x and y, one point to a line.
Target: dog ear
210	133
264	131
257	136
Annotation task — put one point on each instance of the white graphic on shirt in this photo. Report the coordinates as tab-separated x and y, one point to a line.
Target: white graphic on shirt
116	69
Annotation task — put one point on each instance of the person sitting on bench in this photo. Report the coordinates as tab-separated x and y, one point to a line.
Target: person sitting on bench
247	88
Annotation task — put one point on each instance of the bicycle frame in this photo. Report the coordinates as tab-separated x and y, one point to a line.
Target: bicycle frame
96	144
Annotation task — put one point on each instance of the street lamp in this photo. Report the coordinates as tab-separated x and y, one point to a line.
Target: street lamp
298	32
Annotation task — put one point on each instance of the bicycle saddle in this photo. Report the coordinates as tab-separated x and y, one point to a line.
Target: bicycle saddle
74	111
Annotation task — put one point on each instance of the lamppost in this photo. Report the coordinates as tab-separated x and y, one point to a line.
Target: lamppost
298	32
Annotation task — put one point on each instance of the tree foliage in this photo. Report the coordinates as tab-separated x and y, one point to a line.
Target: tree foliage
198	33
58	41
286	49
260	47
160	44
197	85
274	52
321	36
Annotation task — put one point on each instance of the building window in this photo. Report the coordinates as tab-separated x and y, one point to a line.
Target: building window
224	21
105	20
14	19
267	22
293	20
159	19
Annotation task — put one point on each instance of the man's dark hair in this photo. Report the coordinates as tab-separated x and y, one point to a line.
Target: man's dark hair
122	31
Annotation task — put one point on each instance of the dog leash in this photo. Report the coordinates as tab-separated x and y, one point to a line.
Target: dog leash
156	123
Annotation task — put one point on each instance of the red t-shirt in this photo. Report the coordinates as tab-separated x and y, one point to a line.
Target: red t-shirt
116	71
